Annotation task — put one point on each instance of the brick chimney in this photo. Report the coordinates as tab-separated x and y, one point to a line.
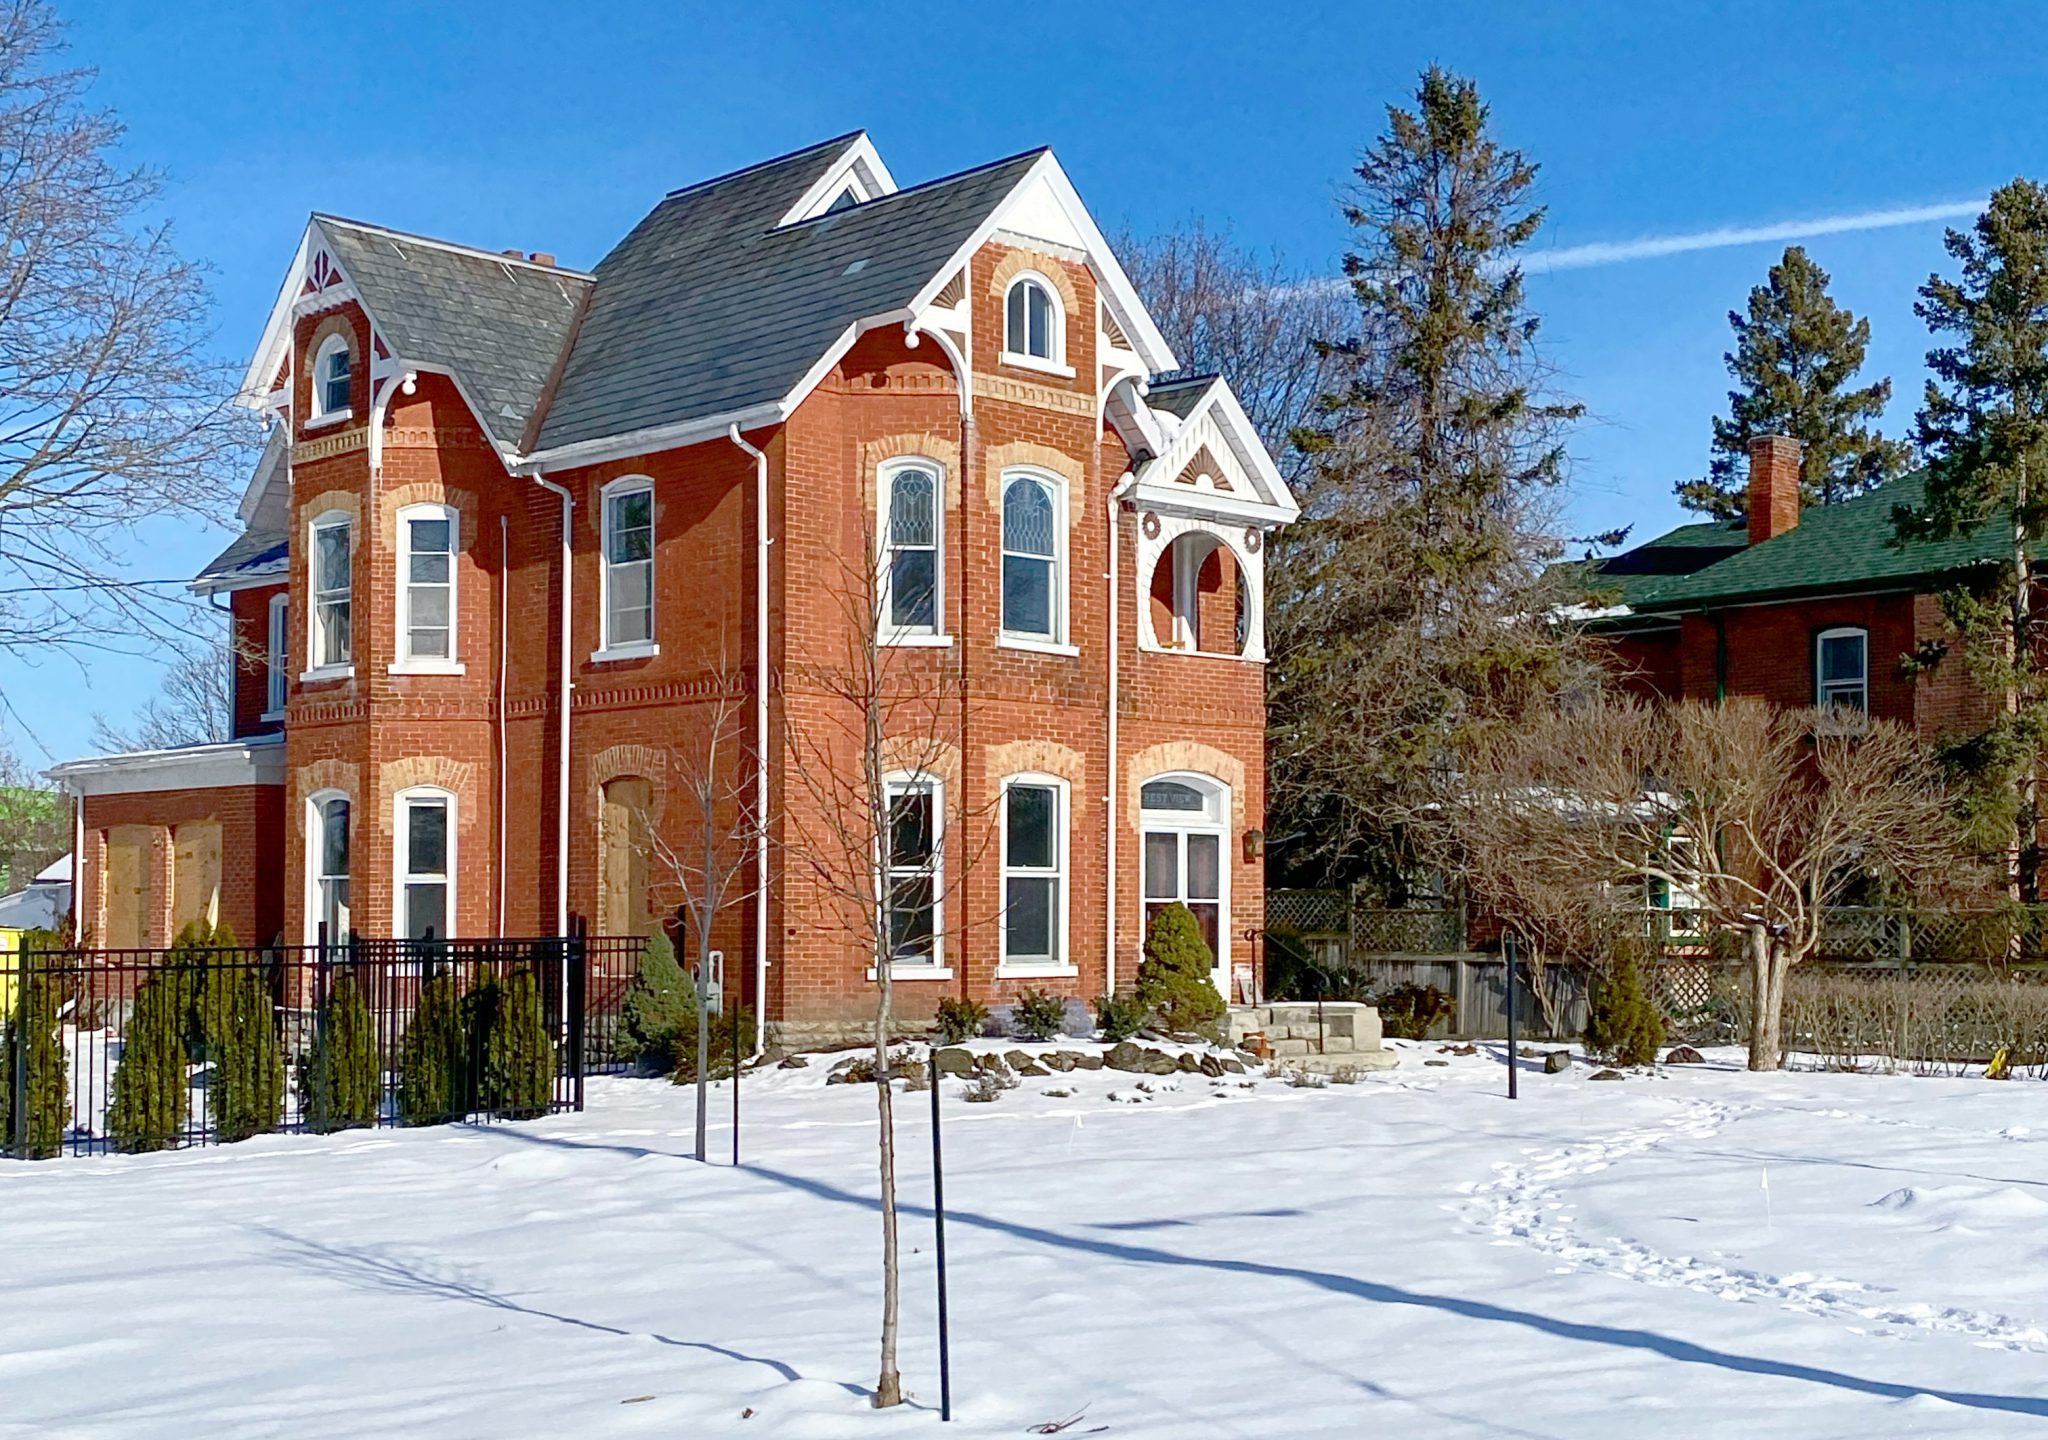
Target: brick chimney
1773	486
542	257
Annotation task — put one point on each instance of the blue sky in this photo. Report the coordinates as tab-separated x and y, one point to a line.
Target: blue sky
554	127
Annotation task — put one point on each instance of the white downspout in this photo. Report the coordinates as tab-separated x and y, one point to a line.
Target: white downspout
761	543
1109	808
504	611
566	688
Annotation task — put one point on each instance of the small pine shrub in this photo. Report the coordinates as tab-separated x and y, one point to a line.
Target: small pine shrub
151	1104
433	1057
1623	1024
720	1050
960	1019
1410	1012
245	1091
1039	1015
32	1022
342	1084
659	1016
1173	979
1119	1017
519	1054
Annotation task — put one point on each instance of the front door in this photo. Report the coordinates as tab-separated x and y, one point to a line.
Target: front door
1185	823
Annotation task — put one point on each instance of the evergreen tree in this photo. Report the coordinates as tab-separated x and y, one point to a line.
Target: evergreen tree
1623	1024
433	1057
659	1011
519	1055
342	1082
1173	978
150	1106
245	1089
1983	429
32	1022
1796	354
1408	604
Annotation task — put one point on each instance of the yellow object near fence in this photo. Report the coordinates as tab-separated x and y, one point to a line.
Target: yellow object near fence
10	950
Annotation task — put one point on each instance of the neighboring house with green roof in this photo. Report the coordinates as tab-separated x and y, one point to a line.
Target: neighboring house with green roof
1822	607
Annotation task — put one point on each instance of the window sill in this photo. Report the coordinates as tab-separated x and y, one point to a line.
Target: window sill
1036	646
918	639
1035	970
1032	362
1150	647
322	422
270	717
625	652
320	674
916	972
427	667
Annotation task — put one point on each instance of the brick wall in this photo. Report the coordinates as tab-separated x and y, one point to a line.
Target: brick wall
251	821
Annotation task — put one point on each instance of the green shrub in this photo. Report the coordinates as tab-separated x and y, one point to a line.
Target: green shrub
519	1053
1623	1024
720	1048
245	1091
659	1019
960	1019
342	1084
32	1022
1119	1017
1409	1012
433	1057
151	1104
1039	1014
1173	978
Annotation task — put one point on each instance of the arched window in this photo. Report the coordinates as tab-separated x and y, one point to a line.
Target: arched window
1034	861
1034	590
1186	824
327	865
427	541
627	574
1841	670
423	864
911	554
332	373
1034	326
331	568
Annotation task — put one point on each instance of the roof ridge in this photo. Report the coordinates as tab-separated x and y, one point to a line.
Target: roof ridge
920	187
455	245
765	164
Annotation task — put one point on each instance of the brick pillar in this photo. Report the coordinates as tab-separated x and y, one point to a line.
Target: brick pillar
1773	486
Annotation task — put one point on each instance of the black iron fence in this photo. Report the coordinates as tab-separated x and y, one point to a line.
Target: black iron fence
141	1050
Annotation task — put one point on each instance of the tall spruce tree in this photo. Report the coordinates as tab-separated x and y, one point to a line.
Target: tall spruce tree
1406	607
1796	354
1983	429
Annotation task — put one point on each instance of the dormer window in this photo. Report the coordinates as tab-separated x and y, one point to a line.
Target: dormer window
331	376
1034	327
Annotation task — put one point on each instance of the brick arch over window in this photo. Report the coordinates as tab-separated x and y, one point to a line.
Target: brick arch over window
1028	454
915	445
427	492
923	755
616	761
1185	755
433	772
1043	757
1016	262
342	323
338	775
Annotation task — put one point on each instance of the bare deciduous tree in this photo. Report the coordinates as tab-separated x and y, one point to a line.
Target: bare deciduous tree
1760	818
195	704
112	412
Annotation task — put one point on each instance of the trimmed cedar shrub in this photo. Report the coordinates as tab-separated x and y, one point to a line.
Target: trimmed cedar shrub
1039	1014
1119	1017
245	1091
342	1085
959	1019
1173	978
433	1056
721	1049
1410	1012
32	1023
1623	1024
658	1019
151	1103
519	1054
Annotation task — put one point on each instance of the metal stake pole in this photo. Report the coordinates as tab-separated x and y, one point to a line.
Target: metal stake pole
1508	952
939	1225
736	1081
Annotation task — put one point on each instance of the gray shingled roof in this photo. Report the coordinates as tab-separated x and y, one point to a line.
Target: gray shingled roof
497	327
706	309
255	554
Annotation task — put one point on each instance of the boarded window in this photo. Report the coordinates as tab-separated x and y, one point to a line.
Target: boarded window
625	906
128	898
195	874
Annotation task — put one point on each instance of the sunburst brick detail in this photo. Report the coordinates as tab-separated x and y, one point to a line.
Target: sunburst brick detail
1045	757
1016	262
1189	755
455	776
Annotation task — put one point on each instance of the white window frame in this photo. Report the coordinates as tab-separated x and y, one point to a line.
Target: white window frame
1060	963
277	656
612	490
401	845
319	665
1828	696
316	854
1056	362
1055	643
318	410
407	663
936	968
1215	819
885	486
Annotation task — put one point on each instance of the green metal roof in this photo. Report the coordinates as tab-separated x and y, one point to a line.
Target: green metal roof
1632	577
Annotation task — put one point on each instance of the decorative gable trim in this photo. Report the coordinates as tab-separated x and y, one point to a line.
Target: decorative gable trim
858	172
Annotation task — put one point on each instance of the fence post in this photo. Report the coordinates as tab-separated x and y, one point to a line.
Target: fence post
576	959
24	971
322	979
1508	963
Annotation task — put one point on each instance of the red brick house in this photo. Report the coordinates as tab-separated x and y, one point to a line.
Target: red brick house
493	482
1815	608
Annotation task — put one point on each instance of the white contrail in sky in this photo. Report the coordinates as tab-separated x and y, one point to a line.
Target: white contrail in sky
1650	247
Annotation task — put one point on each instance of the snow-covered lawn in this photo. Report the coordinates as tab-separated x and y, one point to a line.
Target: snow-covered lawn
1698	1252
